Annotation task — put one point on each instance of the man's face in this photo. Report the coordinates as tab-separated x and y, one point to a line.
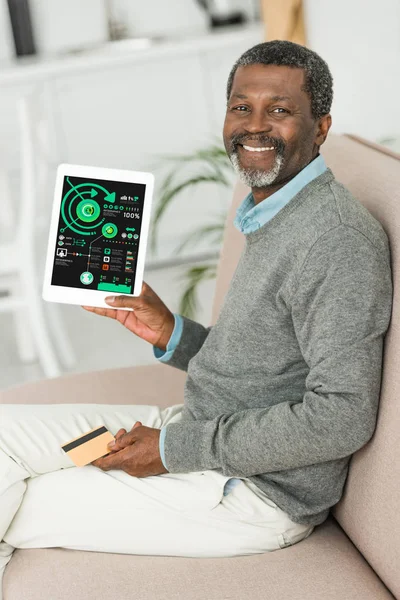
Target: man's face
269	131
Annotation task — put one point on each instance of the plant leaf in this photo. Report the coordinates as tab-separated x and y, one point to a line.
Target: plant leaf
213	231
214	156
170	193
154	221
212	152
213	163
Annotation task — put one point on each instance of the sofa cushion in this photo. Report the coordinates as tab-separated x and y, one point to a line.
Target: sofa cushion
325	565
156	384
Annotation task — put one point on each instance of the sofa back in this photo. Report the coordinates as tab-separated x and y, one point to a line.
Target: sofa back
369	511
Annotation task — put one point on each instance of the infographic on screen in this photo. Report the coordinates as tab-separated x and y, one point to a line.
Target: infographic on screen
98	235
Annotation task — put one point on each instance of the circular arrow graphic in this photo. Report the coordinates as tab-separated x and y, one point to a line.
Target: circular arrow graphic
78	207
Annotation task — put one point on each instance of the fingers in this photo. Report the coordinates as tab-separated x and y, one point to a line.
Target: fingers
122	301
112	460
131	301
123	439
103	312
118	435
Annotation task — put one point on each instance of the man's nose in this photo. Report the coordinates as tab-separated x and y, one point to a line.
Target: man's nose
258	122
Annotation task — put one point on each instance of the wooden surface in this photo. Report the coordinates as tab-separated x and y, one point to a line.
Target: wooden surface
284	20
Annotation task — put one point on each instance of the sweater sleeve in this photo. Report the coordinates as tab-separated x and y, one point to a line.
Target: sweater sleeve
341	310
186	340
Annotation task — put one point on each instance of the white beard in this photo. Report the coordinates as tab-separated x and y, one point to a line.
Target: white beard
256	178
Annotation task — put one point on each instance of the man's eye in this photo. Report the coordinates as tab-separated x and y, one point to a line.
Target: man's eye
280	108
240	108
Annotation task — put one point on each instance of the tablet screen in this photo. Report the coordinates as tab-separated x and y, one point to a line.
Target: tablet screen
98	234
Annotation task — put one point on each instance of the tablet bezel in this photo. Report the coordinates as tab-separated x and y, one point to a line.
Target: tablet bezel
89	297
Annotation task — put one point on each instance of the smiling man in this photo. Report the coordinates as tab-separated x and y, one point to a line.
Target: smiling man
284	388
280	391
279	98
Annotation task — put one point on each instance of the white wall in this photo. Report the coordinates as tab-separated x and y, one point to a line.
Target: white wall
360	41
6	38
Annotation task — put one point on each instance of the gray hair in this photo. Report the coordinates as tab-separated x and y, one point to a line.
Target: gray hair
318	78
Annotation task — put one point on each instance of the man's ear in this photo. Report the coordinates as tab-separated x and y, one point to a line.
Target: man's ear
323	125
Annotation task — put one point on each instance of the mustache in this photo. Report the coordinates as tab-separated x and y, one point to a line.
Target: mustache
262	140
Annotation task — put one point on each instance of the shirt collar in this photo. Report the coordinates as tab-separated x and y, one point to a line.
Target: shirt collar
250	216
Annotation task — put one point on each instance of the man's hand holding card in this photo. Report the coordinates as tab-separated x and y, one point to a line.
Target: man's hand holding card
136	452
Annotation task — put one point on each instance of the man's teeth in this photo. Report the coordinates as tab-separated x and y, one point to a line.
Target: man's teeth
256	149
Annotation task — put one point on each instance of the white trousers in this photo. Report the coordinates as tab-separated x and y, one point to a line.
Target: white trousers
46	501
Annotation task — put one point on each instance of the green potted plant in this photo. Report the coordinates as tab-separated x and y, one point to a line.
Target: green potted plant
208	165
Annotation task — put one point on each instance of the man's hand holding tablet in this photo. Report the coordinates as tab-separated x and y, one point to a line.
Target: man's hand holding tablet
149	318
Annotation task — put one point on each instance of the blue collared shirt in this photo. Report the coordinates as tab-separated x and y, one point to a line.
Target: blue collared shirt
249	217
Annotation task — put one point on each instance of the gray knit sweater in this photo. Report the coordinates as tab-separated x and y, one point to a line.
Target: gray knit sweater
284	388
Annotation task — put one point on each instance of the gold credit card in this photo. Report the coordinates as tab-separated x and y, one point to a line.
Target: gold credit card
88	446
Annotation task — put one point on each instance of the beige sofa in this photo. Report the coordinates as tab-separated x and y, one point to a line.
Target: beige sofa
353	555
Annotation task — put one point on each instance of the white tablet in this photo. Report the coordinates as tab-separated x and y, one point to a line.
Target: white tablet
98	234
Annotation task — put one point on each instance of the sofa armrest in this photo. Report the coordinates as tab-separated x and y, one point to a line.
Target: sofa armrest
157	384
